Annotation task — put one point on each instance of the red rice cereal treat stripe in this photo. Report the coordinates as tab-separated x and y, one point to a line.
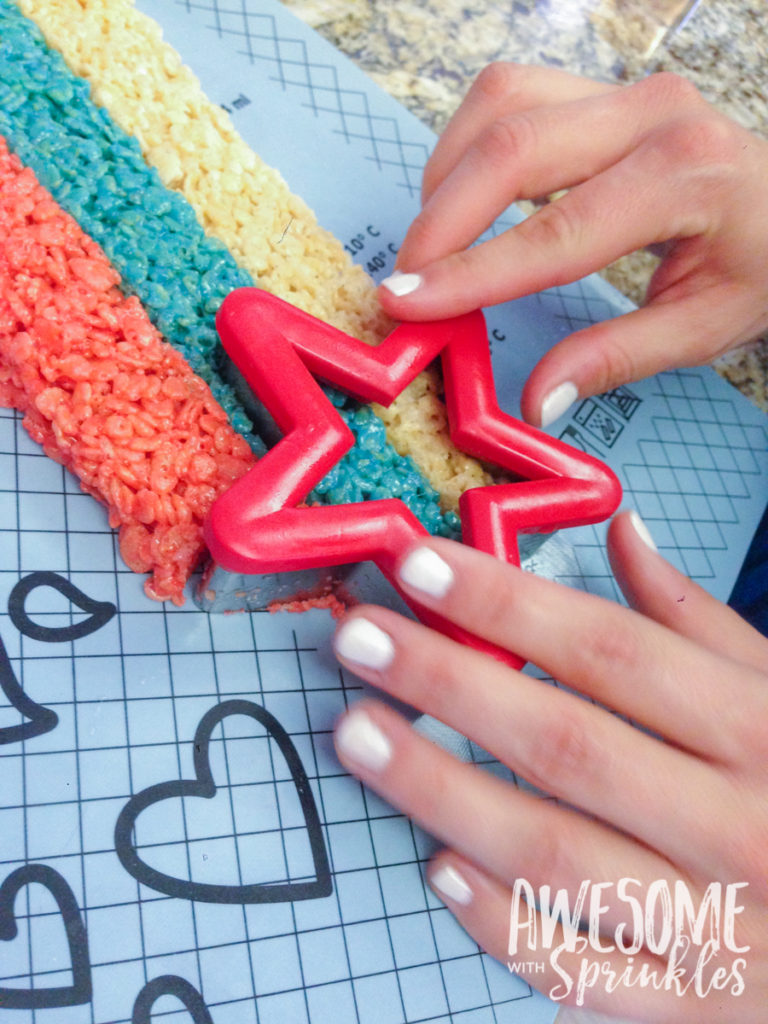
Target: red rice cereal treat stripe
102	392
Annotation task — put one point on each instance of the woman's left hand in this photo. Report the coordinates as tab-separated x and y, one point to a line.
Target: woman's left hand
634	814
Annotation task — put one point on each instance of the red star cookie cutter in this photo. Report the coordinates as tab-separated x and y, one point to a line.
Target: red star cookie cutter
257	527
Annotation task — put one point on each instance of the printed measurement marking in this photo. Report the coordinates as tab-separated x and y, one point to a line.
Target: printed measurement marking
237	104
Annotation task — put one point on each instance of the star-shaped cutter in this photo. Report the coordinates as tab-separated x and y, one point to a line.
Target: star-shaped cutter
259	525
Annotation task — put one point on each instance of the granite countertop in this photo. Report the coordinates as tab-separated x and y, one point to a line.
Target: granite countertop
427	52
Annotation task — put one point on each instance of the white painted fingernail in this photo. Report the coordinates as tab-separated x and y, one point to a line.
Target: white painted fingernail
362	642
426	571
557	401
451	884
360	740
402	284
642	530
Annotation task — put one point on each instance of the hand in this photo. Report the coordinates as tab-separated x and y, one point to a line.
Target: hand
692	810
650	164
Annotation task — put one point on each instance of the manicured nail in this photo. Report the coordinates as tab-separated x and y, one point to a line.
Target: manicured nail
402	284
362	642
451	884
557	401
425	570
642	530
360	740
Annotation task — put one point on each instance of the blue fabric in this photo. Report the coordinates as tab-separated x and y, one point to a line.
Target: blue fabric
750	592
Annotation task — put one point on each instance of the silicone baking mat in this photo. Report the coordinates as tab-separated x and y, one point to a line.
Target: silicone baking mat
177	838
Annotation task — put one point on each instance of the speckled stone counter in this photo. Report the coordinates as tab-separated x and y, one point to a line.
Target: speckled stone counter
427	52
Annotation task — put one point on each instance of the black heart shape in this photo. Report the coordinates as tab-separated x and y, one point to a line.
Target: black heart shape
64	995
40	719
204	786
100	611
171	985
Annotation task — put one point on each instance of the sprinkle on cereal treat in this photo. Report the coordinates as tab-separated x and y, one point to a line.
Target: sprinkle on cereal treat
102	392
238	198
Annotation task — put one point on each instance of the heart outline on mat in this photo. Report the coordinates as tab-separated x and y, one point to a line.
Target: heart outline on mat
170	985
99	612
40	719
80	991
203	785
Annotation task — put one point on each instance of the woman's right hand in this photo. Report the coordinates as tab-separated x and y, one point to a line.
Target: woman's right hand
650	164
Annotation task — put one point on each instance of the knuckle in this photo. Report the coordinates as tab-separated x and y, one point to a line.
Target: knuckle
555	227
670	90
499	80
617	364
609	646
690	133
466	267
507	139
614	647
563	753
693	142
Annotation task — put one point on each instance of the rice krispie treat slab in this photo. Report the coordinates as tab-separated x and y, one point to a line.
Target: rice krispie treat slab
245	203
152	235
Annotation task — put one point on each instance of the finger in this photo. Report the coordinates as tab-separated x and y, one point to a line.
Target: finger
521	156
656	589
583	231
685	332
529	152
509	832
563	745
500	90
566	967
621	659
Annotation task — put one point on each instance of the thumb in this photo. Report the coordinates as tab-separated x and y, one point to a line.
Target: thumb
661	336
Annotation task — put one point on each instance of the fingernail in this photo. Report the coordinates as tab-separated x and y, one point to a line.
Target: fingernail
425	570
360	740
642	530
402	284
362	642
451	884
557	401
